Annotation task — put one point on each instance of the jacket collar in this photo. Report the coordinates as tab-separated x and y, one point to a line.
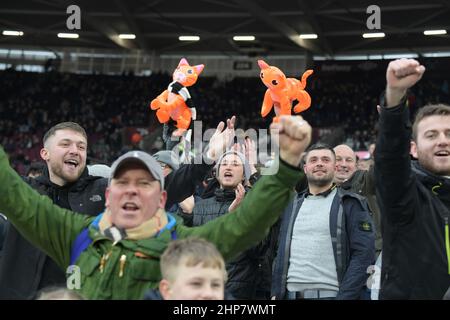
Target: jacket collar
438	185
323	194
78	185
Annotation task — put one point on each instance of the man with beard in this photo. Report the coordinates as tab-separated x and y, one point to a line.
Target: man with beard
414	196
326	237
24	269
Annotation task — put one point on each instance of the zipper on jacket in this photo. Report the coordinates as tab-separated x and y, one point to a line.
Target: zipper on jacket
447	243
123	259
103	260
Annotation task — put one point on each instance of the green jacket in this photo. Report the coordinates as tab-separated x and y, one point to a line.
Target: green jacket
54	230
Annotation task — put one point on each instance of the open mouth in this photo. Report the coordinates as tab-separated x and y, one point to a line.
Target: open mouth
442	153
72	163
228	175
130	206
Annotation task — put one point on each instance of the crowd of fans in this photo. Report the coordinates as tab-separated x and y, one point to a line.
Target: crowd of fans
347	221
105	105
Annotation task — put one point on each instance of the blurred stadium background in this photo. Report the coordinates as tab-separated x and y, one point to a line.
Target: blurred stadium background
105	82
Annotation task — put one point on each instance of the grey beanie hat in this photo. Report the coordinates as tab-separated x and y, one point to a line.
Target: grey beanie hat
247	171
168	157
99	170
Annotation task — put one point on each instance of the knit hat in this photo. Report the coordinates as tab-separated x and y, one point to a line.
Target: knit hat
99	170
247	172
168	157
150	163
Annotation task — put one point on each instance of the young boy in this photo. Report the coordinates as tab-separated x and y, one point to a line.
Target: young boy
192	269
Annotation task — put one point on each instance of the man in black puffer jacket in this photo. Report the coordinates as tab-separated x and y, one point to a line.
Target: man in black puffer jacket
248	274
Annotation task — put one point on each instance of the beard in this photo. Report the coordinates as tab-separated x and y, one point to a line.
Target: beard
435	167
320	181
58	170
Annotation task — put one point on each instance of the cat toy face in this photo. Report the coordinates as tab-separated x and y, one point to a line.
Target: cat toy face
282	91
187	75
273	78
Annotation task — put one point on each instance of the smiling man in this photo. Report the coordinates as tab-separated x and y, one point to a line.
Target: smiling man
362	182
345	163
414	196
326	237
24	269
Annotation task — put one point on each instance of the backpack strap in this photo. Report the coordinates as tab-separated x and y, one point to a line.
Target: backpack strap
82	241
170	226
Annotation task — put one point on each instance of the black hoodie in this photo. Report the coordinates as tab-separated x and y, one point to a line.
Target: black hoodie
24	269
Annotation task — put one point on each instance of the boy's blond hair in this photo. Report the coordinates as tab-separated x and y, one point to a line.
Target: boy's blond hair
58	293
190	252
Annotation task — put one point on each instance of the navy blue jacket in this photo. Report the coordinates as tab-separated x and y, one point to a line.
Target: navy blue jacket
353	244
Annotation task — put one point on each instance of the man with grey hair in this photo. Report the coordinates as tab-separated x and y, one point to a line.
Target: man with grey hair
362	182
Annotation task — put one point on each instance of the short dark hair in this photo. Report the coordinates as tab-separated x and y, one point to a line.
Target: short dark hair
428	111
317	146
64	126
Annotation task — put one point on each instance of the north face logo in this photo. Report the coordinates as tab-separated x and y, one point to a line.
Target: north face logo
95	198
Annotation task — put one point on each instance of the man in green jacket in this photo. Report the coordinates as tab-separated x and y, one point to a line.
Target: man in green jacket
120	256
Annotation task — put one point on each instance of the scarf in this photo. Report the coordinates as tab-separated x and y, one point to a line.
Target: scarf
148	229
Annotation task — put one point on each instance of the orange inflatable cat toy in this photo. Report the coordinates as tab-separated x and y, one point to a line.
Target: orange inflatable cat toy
282	91
175	103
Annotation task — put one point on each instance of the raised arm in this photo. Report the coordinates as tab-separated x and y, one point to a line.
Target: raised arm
394	180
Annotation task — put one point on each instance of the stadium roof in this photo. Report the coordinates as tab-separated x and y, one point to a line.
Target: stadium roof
276	26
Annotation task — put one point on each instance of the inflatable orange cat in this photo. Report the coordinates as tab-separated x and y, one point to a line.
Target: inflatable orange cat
175	103
282	91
